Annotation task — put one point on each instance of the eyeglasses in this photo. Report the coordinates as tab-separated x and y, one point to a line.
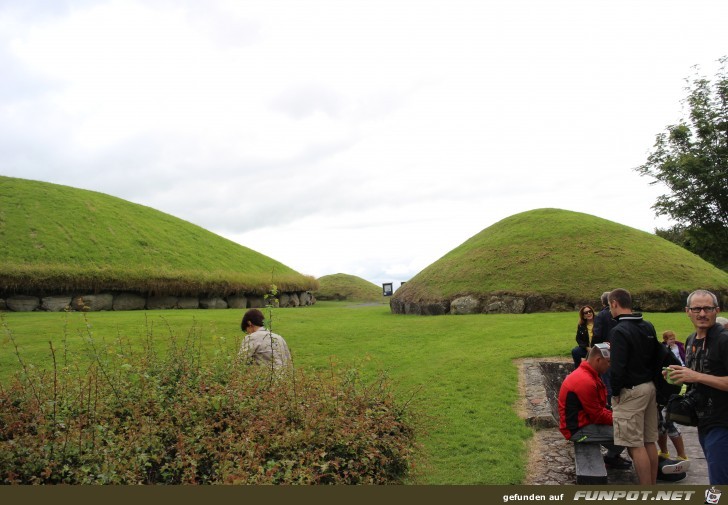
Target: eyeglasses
588	312
696	310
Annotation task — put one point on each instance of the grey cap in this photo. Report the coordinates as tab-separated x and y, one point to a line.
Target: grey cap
603	349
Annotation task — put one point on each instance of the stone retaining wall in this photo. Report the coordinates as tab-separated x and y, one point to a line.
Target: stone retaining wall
137	301
505	303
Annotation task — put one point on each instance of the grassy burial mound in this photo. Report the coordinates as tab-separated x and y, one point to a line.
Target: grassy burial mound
58	239
347	287
552	259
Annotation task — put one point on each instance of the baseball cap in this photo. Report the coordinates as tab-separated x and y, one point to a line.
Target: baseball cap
603	349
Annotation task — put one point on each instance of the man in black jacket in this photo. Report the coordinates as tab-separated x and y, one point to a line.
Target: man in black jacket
635	364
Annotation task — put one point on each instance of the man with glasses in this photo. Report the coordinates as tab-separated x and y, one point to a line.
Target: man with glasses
635	364
706	357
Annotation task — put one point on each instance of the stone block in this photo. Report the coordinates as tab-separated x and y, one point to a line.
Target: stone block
465	305
237	302
129	301
213	303
256	302
162	302
305	298
56	303
284	300
93	303
188	302
23	303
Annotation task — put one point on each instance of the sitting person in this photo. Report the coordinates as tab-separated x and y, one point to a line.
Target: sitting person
261	346
583	413
584	334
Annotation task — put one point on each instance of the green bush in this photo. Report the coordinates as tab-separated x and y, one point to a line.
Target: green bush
177	417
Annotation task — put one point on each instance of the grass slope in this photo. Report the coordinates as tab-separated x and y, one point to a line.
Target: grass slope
58	238
347	287
559	252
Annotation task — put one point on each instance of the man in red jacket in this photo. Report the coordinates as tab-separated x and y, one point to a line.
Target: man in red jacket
583	413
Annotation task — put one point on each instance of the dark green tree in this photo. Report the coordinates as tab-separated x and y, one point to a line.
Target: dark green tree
691	159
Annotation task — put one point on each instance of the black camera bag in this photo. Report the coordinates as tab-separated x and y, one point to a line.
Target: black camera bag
681	412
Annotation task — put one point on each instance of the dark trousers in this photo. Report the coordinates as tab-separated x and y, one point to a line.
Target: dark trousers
598	433
577	353
606	379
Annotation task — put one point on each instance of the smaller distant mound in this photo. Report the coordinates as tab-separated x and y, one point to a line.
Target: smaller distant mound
344	287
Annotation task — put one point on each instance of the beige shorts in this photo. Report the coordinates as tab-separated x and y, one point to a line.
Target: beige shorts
635	416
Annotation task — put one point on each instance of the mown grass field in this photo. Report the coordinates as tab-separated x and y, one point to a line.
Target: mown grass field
458	370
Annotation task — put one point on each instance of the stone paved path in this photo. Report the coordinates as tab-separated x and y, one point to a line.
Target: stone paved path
551	457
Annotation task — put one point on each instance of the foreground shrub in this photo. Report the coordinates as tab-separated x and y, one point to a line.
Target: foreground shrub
141	418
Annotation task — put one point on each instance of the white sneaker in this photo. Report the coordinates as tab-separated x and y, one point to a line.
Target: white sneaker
675	466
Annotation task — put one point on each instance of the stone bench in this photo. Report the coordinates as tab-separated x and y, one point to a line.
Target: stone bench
590	467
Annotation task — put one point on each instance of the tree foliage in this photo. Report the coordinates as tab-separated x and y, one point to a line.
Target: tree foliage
691	159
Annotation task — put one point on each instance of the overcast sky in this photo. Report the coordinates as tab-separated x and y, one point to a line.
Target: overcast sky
364	137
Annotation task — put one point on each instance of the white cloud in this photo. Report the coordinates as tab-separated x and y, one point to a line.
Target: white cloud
361	137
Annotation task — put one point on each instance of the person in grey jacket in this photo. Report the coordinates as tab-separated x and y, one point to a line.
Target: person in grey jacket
261	346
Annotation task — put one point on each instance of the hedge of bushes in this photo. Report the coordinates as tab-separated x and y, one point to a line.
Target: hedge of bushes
176	418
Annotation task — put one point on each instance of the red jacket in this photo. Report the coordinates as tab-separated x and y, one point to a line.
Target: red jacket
582	400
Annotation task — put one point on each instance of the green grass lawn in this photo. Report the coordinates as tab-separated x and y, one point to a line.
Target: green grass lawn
458	369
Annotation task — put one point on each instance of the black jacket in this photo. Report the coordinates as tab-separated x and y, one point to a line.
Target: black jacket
582	335
713	408
603	324
635	352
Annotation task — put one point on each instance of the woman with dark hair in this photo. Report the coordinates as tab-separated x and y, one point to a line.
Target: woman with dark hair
584	334
261	346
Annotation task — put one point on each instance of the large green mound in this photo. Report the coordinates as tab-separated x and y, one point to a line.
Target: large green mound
63	239
560	255
347	287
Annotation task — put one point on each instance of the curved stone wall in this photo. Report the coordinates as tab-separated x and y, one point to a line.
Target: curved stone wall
136	301
500	303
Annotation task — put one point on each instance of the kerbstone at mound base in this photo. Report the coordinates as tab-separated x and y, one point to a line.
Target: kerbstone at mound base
305	298
213	303
505	305
56	303
93	303
129	301
465	305
162	302
256	302
22	303
188	302
237	302
421	309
